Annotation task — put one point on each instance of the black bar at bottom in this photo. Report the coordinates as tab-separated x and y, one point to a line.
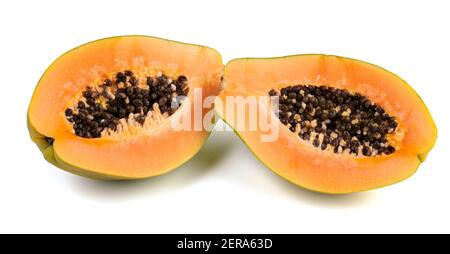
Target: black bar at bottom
205	243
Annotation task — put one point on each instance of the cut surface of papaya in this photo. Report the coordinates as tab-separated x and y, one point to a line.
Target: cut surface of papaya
338	125
105	109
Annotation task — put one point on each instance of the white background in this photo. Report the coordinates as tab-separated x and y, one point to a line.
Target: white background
224	189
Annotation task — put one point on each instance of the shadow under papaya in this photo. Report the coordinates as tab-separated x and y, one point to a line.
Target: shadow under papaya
214	151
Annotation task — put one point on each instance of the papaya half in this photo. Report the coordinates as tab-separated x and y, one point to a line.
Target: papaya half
105	109
342	125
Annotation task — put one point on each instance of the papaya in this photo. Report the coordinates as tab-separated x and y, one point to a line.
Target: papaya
326	123
106	109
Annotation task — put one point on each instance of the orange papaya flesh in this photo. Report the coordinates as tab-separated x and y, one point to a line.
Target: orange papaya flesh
298	160
134	151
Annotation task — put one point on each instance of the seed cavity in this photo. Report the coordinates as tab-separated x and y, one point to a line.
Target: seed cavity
103	108
336	120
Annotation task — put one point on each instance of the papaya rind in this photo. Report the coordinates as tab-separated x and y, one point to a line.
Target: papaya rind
51	155
420	157
321	191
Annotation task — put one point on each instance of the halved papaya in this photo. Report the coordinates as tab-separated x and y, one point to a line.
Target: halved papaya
344	125
105	109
